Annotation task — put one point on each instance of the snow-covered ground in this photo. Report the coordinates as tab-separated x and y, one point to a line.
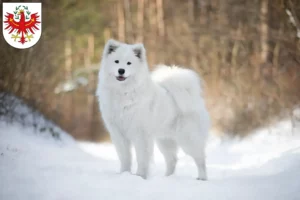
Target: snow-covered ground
39	161
39	167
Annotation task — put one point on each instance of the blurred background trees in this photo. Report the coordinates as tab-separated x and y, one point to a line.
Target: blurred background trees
248	53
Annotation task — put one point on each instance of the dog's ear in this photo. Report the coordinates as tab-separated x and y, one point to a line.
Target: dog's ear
110	47
139	51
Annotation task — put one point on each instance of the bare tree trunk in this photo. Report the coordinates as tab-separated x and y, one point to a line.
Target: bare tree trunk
128	22
264	39
153	31
235	49
121	22
276	51
204	12
90	97
91	46
106	34
68	99
161	28
293	17
191	10
160	18
68	61
193	54
140	21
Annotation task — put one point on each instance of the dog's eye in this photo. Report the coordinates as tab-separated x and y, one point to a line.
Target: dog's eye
128	63
116	61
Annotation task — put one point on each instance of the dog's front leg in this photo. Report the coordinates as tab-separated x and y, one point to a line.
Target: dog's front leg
122	145
144	151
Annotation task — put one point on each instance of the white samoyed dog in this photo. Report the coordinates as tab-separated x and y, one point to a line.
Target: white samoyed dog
139	108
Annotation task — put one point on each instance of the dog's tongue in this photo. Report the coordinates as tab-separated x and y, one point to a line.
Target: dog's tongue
121	78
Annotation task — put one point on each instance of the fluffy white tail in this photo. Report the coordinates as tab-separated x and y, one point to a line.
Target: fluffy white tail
183	85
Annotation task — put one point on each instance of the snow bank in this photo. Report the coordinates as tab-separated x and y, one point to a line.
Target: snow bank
15	112
264	166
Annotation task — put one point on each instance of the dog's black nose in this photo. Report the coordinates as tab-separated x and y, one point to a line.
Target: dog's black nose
121	71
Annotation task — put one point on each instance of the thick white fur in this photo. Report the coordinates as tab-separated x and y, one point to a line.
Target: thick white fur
165	106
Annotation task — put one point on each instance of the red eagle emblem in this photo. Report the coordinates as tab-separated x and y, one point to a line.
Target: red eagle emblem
23	27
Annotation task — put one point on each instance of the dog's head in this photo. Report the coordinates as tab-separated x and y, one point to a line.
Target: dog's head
123	63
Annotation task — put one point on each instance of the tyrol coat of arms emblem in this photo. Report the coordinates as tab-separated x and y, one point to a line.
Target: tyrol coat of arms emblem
22	24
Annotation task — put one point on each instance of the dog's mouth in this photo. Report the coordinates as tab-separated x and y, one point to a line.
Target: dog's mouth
121	78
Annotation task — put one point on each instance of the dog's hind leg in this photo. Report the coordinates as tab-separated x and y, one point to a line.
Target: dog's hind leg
168	148
201	165
192	139
195	149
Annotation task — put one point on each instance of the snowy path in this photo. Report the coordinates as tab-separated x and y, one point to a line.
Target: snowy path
39	168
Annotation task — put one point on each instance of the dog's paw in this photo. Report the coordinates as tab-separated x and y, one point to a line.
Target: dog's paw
202	179
125	169
144	176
